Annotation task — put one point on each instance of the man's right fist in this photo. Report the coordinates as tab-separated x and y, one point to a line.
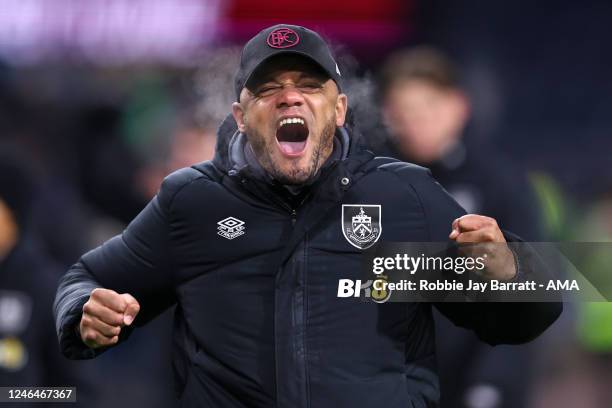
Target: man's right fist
104	314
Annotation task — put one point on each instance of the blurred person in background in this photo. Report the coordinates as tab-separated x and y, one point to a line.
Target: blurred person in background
86	186
427	114
190	142
588	380
29	354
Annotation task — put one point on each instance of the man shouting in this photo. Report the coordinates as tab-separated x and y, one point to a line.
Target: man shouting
251	245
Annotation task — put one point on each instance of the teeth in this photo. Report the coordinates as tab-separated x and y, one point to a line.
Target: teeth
290	121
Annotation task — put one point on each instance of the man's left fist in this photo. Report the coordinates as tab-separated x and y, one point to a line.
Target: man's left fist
490	244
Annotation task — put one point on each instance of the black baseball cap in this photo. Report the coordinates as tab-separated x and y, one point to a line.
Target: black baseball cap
285	39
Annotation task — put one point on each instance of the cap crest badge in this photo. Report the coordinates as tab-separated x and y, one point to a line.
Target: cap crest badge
283	38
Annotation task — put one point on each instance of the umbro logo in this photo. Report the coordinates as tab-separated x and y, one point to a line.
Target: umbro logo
231	228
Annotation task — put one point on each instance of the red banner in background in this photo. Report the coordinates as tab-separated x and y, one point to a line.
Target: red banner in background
116	32
369	28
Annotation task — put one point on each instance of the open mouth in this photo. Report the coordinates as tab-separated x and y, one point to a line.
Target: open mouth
292	136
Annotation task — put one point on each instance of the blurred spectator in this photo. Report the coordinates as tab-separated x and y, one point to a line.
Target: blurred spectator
85	187
594	319
577	365
427	114
190	143
29	354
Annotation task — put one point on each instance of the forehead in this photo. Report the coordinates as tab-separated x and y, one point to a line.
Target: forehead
281	64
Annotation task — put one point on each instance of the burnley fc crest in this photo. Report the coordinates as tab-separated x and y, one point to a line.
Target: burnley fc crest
361	224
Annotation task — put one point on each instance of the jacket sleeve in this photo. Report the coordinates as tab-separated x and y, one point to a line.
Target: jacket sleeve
72	293
493	322
138	262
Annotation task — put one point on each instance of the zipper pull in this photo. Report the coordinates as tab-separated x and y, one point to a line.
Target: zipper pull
293	217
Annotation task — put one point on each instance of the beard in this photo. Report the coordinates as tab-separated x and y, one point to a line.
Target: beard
295	175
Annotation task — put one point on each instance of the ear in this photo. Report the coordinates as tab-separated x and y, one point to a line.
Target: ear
341	107
238	113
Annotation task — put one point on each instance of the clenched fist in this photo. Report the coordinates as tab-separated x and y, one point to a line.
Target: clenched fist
489	242
104	314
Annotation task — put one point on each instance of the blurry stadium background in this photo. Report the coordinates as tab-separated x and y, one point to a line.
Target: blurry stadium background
99	100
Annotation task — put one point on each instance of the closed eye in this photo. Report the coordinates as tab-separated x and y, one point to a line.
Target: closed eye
307	86
310	86
267	90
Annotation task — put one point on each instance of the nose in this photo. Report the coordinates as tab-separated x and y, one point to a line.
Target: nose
289	96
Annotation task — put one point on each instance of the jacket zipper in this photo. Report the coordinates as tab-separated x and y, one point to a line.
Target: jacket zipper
292	211
293	217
